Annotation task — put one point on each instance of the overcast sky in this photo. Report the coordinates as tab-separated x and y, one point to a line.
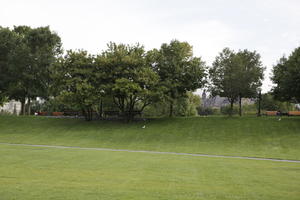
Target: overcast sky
271	27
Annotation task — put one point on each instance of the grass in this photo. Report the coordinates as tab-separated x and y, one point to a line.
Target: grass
30	173
247	136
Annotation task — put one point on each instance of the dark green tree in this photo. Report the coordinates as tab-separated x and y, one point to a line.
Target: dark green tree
129	79
36	50
251	75
286	77
74	78
224	77
236	75
179	71
8	41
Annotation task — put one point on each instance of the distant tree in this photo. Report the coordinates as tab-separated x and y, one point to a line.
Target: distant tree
178	69
251	75
224	76
286	77
129	79
34	53
236	75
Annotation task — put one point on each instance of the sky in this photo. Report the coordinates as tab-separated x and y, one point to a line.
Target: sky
270	27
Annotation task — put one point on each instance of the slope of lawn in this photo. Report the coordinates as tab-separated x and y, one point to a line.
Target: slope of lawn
30	173
247	136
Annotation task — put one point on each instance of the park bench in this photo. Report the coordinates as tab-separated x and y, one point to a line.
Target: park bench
57	113
271	113
294	113
42	113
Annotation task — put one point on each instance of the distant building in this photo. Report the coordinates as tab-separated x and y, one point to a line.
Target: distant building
12	107
218	101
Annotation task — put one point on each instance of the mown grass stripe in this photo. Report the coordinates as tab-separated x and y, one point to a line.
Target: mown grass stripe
153	152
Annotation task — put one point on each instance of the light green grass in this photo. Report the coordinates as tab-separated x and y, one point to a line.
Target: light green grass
29	173
247	136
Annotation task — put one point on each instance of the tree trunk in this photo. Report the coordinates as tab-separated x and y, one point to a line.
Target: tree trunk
29	106
240	105
171	109
101	109
259	104
84	112
23	106
231	108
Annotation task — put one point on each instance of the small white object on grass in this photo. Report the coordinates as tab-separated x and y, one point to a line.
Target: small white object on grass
279	119
144	126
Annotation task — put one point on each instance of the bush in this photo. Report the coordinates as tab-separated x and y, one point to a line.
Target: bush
226	110
207	111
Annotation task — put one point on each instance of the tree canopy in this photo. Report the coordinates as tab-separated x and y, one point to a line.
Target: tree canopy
286	77
26	56
236	75
179	71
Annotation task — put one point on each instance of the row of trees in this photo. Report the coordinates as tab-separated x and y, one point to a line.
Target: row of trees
130	76
32	64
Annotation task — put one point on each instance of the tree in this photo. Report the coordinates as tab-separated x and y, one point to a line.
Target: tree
36	50
74	79
129	79
286	77
179	71
251	75
7	45
236	75
224	77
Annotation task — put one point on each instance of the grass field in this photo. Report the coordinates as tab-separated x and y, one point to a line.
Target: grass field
247	136
47	173
40	173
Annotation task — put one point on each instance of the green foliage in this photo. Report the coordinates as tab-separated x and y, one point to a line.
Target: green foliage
227	110
250	109
8	42
178	69
74	76
269	103
183	106
26	57
250	73
286	77
236	75
187	106
224	79
128	78
51	105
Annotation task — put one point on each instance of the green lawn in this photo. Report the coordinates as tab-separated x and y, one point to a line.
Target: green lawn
246	136
29	173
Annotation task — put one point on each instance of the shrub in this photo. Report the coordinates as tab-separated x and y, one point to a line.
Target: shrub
226	110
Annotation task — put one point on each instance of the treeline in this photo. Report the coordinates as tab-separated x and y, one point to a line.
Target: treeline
33	64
